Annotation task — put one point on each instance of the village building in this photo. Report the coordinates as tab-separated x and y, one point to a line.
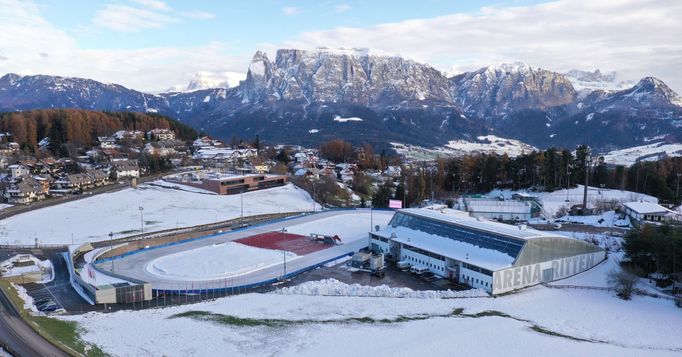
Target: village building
228	184
125	169
25	191
160	134
647	212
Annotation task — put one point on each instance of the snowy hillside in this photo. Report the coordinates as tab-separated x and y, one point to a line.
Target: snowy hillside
649	152
91	219
483	144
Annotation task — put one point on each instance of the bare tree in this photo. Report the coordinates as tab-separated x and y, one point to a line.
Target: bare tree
625	282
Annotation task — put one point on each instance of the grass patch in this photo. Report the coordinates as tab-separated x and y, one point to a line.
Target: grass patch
63	334
231	320
545	331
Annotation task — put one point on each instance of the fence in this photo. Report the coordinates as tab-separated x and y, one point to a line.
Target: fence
603	288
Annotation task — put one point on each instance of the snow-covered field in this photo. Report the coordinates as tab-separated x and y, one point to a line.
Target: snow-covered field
535	321
553	201
217	261
349	227
483	144
92	218
649	152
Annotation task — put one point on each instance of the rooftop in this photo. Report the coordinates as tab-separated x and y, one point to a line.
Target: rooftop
462	219
646	207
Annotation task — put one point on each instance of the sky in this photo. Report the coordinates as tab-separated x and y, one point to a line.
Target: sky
152	45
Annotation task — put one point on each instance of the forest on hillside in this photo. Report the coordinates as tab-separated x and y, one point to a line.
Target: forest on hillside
81	127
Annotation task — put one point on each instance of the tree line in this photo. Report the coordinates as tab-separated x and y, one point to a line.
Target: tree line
81	127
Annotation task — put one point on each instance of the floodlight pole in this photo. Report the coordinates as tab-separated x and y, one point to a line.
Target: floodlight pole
141	220
284	251
111	248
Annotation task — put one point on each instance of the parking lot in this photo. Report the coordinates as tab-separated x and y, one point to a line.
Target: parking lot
43	298
393	278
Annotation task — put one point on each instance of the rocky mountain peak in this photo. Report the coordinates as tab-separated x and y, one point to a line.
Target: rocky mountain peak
346	75
495	91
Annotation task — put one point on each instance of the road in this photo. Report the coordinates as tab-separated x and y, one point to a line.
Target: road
134	265
19	337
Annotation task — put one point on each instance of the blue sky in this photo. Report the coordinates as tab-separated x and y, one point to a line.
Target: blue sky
152	45
247	24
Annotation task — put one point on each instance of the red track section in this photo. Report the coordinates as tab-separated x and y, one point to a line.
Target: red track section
298	244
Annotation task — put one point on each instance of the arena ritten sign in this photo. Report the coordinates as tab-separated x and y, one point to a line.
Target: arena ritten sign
527	275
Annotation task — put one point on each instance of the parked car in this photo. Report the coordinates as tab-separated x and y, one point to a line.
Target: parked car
419	270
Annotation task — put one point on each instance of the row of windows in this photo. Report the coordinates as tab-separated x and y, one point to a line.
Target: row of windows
424	263
506	245
477	269
470	280
424	252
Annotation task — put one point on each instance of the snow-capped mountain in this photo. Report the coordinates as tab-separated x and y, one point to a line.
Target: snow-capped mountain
625	118
209	80
585	81
354	76
496	91
299	96
41	91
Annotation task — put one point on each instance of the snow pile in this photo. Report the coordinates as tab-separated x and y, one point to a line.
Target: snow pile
28	300
216	261
333	287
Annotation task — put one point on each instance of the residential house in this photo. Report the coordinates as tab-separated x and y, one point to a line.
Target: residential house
125	169
18	170
25	191
106	142
160	134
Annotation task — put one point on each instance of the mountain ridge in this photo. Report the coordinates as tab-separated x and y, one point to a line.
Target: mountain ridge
295	96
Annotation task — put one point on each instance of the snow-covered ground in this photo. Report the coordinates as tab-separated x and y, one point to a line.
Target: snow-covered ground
553	201
92	218
534	321
217	261
649	152
483	144
4	205
349	227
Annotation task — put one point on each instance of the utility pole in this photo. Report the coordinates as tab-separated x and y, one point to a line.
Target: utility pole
587	175
111	247
677	191
141	219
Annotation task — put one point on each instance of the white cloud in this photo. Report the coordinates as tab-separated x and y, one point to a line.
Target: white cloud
634	37
341	8
24	35
290	10
124	18
198	15
154	4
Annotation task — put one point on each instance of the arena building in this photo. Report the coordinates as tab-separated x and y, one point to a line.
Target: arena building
492	256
